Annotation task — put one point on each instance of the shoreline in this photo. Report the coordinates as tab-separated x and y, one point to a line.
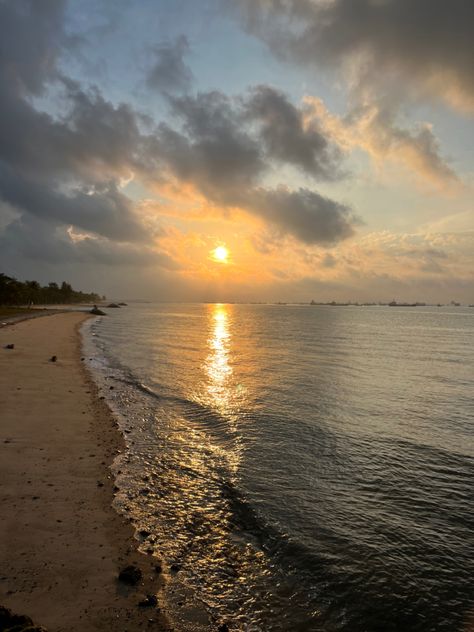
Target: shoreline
185	611
62	543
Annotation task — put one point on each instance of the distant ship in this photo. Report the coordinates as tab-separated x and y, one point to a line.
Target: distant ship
395	304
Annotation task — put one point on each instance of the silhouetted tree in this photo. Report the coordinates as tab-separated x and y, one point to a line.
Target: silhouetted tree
13	292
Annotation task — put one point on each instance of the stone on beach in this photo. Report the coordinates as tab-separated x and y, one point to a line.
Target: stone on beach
130	575
150	601
17	622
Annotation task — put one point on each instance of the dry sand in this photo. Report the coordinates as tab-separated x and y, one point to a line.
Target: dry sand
61	543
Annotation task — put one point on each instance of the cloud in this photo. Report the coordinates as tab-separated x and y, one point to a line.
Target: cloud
93	140
286	137
425	46
389	53
430	267
308	216
103	210
375	130
32	36
32	238
65	169
212	150
62	167
414	257
223	158
169	72
329	261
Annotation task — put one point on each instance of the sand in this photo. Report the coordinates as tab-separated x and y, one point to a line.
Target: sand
61	543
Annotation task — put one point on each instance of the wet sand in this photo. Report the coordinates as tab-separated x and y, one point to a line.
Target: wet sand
62	545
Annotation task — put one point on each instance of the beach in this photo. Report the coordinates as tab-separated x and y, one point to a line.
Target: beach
62	545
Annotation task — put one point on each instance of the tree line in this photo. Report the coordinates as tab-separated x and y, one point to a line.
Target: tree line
13	292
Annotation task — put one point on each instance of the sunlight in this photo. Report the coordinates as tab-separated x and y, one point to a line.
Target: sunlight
218	367
221	254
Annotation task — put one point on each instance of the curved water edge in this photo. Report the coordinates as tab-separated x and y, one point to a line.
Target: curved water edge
299	469
183	608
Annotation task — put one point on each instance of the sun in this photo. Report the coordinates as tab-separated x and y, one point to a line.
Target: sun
220	254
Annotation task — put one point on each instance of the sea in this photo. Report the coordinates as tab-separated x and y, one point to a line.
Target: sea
297	468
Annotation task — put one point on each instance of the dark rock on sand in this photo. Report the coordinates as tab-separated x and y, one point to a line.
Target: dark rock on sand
10	346
114	305
130	575
97	312
223	628
144	533
53	358
150	601
17	622
158	568
175	567
125	304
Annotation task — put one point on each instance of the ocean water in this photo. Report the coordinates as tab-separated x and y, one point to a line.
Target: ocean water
299	468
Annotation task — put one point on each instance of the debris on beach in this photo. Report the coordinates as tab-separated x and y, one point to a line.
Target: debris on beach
10	346
53	358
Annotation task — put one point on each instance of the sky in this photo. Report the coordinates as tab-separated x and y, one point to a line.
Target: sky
327	145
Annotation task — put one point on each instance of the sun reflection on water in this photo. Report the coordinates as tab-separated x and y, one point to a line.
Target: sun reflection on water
217	363
221	394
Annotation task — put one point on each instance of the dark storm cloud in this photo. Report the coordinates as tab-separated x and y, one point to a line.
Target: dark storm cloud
236	140
308	216
103	210
213	150
420	39
285	137
34	239
65	170
169	72
31	36
93	139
